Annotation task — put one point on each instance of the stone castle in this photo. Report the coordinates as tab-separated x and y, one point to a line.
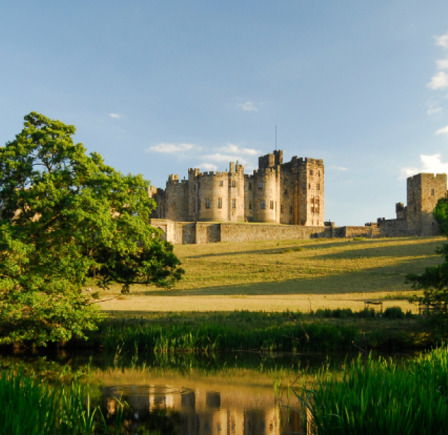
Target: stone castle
423	192
217	206
289	193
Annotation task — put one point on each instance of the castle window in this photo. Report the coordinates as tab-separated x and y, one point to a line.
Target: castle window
233	184
311	172
262	205
309	185
318	174
272	205
221	183
432	192
195	187
250	206
233	203
285	192
281	208
317	186
219	202
207	203
290	209
250	186
260	185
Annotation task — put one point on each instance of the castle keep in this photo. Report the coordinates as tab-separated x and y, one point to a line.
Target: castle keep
289	193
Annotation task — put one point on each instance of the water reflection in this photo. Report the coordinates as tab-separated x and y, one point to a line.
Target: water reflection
188	394
169	410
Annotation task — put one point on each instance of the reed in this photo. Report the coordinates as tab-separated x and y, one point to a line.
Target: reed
217	337
32	406
322	330
377	396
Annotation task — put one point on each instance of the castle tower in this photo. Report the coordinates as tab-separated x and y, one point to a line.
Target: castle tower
423	191
176	199
308	187
266	188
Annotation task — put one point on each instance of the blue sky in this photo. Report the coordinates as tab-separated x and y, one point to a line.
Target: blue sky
157	87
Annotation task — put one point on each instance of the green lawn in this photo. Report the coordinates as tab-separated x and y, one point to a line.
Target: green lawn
296	274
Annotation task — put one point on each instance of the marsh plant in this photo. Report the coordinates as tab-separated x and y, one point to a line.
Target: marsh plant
32	406
378	396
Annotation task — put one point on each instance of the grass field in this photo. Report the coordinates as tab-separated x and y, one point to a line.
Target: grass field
294	275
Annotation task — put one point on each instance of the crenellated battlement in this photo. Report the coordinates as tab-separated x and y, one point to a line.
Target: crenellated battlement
309	160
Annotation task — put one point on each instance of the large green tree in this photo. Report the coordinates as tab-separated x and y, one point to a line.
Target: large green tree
434	280
66	218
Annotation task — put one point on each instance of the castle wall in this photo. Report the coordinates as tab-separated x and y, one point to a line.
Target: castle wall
260	232
207	232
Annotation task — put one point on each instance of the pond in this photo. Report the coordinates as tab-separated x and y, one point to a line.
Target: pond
189	394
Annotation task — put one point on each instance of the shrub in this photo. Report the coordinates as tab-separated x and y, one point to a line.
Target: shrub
394	313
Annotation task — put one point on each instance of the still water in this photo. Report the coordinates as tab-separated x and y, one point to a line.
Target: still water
188	394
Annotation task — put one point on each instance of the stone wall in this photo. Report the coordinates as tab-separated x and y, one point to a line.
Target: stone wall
209	232
260	232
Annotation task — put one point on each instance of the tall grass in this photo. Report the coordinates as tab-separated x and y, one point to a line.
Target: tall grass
380	397
32	406
323	330
216	337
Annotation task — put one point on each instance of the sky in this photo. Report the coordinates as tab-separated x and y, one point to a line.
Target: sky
157	87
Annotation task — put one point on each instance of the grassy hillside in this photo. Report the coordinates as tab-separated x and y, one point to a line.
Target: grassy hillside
296	275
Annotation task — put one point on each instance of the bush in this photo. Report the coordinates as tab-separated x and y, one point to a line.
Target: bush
394	313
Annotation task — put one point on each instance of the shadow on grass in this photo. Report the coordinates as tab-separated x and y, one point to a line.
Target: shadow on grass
373	280
402	250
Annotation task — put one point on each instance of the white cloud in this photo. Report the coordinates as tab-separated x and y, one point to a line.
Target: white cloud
339	168
248	107
115	115
208	167
442	64
430	164
235	149
443	130
439	81
170	148
442	40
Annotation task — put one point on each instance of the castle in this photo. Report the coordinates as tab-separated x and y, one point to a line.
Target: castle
284	193
423	192
211	207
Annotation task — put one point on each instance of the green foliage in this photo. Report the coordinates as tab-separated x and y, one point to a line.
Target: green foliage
394	313
441	215
381	397
434	280
66	217
32	406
